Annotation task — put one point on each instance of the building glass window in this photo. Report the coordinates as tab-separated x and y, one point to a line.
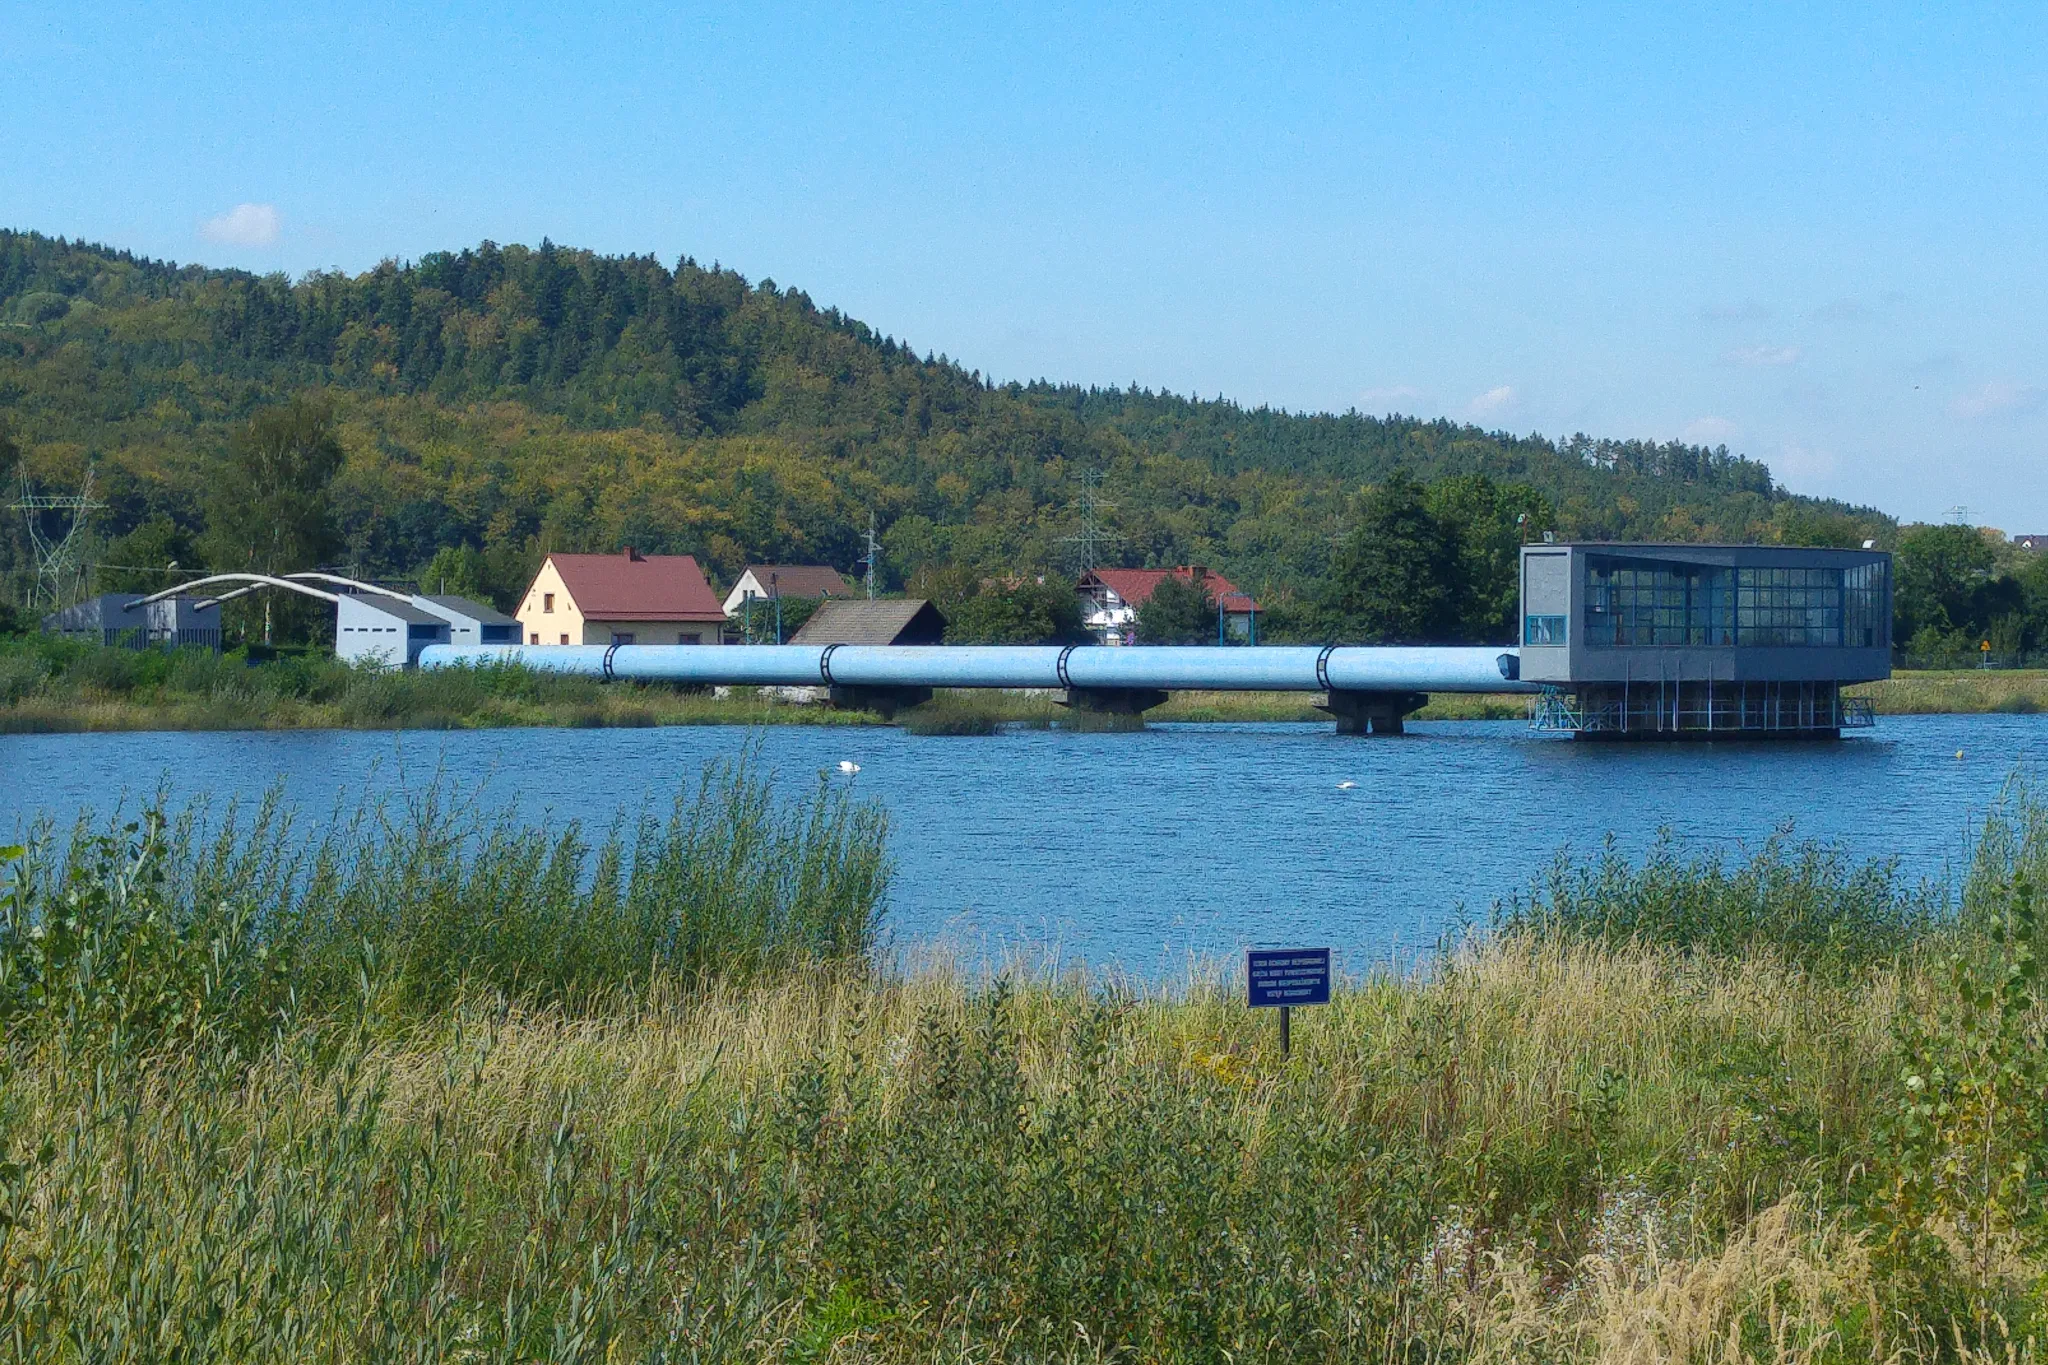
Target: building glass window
1865	623
622	637
547	601
1543	630
1789	607
1639	602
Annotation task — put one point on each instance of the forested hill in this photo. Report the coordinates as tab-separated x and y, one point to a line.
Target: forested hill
514	399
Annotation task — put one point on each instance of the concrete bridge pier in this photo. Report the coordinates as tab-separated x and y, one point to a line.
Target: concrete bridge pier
1114	701
883	701
1371	713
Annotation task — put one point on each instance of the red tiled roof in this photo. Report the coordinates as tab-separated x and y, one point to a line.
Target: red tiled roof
636	587
1136	585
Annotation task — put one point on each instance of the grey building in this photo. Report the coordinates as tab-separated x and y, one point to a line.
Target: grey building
1678	641
122	620
180	622
470	623
112	618
374	629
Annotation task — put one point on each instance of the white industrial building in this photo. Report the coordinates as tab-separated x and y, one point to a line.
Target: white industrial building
378	630
470	623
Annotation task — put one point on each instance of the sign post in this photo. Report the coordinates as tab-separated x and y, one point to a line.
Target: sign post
1283	978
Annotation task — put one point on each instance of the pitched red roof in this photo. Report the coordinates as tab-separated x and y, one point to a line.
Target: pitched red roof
637	587
1136	585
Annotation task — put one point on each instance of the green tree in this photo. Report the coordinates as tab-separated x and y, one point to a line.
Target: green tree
457	569
270	511
137	561
1938	570
1029	613
1794	523
1487	522
1398	577
1180	611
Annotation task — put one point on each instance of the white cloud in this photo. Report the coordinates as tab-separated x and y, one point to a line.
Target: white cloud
1804	465
1391	394
244	225
1492	401
1999	398
1709	431
1765	355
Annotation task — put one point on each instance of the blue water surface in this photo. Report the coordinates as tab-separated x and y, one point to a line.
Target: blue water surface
1145	850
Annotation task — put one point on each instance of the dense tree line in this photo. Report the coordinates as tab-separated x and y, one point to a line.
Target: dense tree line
497	402
1957	594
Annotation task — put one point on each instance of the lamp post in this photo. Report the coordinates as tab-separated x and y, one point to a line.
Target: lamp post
1251	617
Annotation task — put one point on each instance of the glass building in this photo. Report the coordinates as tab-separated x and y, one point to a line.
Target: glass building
1682	640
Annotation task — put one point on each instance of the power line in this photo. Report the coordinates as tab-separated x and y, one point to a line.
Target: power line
57	560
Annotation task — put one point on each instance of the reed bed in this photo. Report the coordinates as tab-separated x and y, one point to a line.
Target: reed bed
456	1131
2016	691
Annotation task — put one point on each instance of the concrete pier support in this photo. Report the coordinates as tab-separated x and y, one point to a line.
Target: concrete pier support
1371	713
883	701
1115	701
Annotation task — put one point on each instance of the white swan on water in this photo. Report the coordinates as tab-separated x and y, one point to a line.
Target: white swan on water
1346	786
848	766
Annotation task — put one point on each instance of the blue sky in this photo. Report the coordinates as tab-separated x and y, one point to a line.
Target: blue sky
1814	234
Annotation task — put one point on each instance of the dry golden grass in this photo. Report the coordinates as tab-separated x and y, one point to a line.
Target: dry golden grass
1706	1240
1964	691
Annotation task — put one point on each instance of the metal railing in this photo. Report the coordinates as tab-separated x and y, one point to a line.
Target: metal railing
1700	708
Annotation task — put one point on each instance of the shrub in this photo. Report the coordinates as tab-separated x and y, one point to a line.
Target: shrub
21	673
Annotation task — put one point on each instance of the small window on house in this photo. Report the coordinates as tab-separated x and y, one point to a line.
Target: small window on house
547	603
622	637
565	637
534	639
689	639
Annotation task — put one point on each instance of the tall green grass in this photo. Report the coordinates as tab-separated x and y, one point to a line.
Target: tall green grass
1807	900
156	928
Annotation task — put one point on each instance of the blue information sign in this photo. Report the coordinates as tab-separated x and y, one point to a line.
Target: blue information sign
1287	976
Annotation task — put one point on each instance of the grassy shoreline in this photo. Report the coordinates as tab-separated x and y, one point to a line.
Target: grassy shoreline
51	686
446	1100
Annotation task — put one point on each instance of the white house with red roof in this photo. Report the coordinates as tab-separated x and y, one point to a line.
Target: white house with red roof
763	582
621	599
1110	599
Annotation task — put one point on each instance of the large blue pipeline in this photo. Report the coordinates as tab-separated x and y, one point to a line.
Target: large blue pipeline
1085	668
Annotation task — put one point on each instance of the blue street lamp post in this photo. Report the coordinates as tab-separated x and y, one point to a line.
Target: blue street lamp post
1251	617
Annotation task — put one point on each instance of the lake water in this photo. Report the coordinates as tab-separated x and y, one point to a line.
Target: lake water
1144	849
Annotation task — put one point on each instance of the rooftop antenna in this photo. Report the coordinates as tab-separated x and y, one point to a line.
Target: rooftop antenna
1090	539
1959	515
874	553
57	561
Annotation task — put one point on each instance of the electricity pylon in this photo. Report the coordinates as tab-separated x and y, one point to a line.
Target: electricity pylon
1091	539
874	553
56	560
